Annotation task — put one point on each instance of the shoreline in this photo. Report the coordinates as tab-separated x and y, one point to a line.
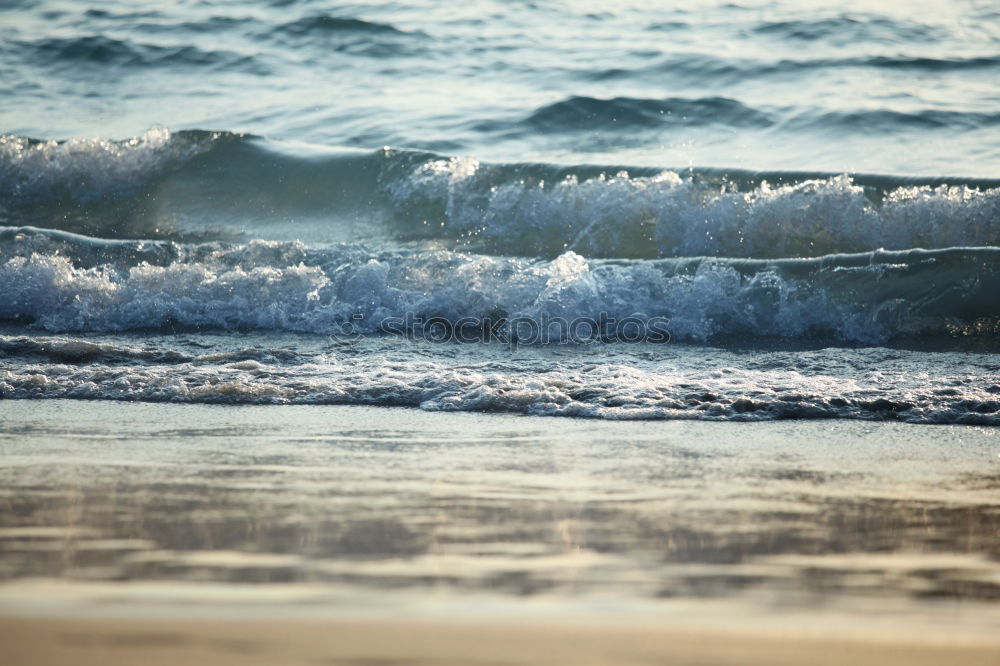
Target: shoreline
365	536
38	642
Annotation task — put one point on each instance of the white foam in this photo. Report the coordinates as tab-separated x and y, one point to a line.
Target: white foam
213	288
668	215
86	169
647	383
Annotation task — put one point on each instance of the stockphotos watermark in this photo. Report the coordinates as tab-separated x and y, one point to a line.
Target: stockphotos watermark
543	329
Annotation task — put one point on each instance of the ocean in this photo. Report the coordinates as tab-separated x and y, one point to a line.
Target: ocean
738	212
505	206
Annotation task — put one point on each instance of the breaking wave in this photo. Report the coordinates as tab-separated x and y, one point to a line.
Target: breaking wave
194	185
63	282
684	383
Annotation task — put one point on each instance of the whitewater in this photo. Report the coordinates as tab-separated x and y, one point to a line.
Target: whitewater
608	215
525	332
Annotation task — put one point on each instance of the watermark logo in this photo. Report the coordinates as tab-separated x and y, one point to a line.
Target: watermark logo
543	329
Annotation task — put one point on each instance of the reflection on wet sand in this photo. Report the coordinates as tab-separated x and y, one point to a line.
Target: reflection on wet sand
797	515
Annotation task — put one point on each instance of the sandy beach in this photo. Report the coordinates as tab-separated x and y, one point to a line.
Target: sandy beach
81	642
350	535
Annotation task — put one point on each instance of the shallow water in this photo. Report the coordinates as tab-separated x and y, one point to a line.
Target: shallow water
136	509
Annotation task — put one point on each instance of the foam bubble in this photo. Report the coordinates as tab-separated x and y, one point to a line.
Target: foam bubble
667	215
644	382
84	170
286	286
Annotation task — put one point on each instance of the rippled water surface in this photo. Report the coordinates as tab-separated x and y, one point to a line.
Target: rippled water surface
366	512
861	86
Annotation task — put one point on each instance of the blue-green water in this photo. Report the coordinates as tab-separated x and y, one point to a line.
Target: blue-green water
791	208
817	86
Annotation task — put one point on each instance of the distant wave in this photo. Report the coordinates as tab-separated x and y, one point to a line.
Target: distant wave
324	24
105	14
924	63
348	35
623	112
885	121
202	185
212	24
106	51
60	282
851	29
634	118
707	68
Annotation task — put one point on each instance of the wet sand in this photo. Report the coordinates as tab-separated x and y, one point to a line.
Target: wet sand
51	642
346	535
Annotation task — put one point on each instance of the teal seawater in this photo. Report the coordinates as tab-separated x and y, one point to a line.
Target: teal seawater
753	210
813	86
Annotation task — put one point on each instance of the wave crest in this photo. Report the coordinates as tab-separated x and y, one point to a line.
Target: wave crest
578	113
198	185
865	298
669	215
